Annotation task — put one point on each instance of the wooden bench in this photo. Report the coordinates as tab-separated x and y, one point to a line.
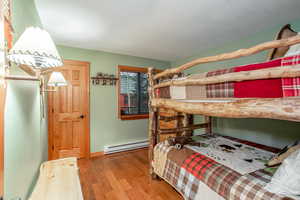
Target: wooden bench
58	180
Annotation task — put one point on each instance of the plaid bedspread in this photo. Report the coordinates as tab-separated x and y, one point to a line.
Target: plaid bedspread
225	89
185	169
291	86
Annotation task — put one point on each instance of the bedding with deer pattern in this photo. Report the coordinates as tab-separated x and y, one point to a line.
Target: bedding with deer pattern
189	168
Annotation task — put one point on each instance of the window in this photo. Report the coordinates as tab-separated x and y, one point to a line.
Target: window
133	93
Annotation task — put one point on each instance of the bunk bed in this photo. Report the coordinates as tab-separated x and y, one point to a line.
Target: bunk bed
192	170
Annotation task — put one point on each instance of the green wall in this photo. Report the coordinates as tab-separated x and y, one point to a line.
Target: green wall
24	143
106	128
25	128
24	14
270	132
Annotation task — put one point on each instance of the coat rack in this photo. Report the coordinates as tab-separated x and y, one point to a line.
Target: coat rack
104	79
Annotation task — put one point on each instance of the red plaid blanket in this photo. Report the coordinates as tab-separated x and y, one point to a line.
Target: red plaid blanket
291	86
197	165
218	177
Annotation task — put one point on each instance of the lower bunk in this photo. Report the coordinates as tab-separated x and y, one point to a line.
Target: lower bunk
215	167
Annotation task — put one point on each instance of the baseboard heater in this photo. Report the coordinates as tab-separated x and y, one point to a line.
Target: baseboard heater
125	147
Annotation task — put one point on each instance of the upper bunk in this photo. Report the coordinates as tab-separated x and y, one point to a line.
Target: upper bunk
269	89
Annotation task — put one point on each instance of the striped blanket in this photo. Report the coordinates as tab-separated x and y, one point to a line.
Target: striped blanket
265	88
185	169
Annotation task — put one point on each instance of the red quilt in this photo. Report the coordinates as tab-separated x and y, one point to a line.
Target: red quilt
266	88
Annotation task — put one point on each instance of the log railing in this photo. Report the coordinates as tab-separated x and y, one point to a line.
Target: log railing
271	108
235	54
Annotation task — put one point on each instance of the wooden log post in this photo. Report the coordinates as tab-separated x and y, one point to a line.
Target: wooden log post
188	120
158	139
208	121
185	124
153	122
179	124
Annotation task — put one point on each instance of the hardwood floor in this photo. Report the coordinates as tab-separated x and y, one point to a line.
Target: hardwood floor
122	176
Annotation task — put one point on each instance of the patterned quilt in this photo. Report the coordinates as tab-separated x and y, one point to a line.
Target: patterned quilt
184	169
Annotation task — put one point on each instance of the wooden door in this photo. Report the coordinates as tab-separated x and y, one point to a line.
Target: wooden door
68	110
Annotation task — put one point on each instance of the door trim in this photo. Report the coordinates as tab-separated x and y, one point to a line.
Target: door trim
86	108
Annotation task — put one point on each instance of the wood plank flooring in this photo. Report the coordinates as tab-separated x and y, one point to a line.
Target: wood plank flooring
122	176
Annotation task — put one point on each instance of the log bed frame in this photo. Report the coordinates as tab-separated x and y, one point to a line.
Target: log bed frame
273	108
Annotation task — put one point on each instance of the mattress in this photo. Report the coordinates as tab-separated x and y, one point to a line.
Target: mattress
192	173
265	88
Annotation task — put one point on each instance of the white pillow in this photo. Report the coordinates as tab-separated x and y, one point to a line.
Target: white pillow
178	92
294	49
286	180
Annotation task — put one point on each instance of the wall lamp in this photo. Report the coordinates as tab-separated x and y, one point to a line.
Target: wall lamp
56	79
35	48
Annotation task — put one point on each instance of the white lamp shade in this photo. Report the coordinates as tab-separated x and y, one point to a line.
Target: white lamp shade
57	79
36	48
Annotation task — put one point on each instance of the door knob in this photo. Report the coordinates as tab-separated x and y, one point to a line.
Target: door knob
81	116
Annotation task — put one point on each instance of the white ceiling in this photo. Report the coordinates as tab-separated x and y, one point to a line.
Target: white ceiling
159	29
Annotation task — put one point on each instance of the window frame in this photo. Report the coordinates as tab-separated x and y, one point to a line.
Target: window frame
124	68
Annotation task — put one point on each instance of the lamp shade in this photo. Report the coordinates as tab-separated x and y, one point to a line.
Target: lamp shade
36	48
57	79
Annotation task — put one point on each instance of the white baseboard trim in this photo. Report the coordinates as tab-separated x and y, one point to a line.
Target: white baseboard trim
125	147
